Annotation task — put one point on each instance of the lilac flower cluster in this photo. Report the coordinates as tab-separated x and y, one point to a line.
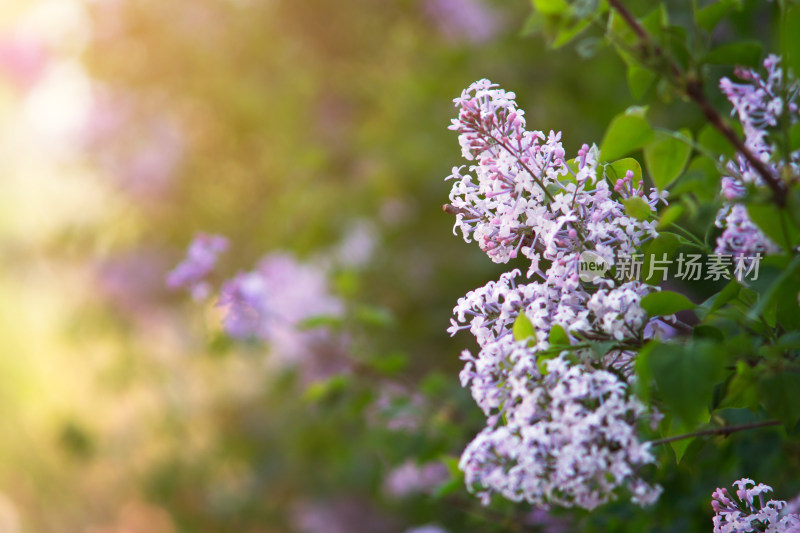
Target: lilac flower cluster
748	512
560	430
761	105
569	441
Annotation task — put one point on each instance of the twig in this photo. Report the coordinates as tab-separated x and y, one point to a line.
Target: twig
716	431
693	88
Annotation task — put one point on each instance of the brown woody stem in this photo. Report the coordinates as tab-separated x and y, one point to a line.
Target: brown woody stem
693	89
716	431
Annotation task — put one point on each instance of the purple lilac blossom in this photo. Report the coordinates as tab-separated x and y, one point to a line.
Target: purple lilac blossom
748	511
759	104
271	302
563	431
201	259
409	479
463	21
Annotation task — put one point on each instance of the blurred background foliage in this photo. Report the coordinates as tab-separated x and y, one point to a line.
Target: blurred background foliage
130	125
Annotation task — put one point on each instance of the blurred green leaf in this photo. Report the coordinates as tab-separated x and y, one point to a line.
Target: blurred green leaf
640	79
550	7
790	37
664	303
781	394
745	53
670	215
709	16
686	376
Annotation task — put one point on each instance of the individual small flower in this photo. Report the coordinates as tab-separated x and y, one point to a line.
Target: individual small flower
201	259
748	511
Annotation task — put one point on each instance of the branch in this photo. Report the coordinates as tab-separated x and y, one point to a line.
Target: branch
716	431
693	88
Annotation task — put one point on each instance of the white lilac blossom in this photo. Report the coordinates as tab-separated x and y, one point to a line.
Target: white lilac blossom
271	302
569	441
558	430
760	105
201	259
749	512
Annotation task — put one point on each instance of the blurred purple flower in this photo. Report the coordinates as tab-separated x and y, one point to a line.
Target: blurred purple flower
143	158
547	523
463	21
343	515
246	299
272	302
410	478
201	259
132	280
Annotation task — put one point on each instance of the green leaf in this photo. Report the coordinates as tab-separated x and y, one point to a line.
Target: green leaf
558	336
747	53
728	293
711	138
670	215
686	377
640	79
666	157
617	170
390	364
679	447
742	391
374	316
665	303
626	133
523	329
550	7
790	37
775	224
709	16
780	392
327	388
637	208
